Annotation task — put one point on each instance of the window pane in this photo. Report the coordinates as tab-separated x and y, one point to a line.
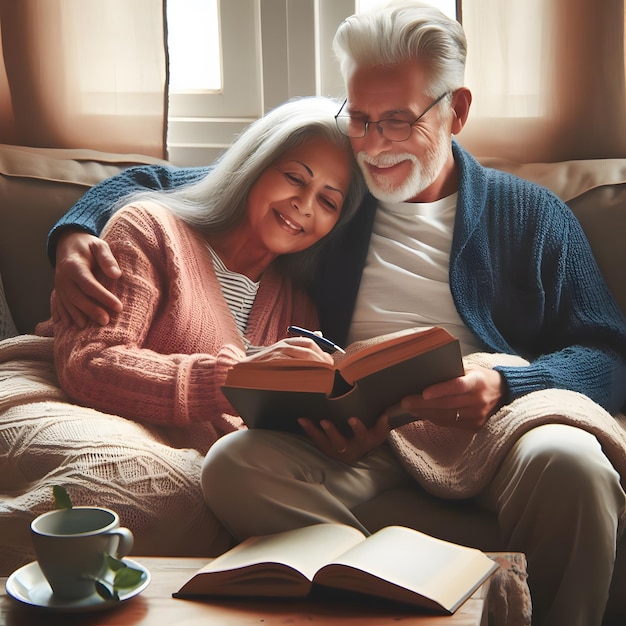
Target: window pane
194	46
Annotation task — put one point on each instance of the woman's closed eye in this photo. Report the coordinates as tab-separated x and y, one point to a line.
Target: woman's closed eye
294	179
329	203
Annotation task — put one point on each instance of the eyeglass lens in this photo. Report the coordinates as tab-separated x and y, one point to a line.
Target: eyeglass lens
392	129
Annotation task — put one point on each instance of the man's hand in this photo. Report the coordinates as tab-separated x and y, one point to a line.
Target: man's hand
330	441
464	402
79	294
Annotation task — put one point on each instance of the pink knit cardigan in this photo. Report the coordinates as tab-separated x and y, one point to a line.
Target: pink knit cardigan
163	358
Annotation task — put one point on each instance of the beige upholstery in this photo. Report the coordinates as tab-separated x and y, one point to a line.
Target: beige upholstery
37	186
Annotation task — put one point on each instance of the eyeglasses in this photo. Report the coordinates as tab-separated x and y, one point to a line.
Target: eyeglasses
391	129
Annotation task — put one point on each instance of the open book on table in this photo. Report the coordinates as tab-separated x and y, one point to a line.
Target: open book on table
371	377
395	563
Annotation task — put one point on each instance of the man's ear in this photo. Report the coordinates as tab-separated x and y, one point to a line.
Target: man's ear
461	102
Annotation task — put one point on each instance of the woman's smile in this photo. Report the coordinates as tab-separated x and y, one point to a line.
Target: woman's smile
287	223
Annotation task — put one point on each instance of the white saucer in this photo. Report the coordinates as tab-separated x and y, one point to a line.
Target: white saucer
28	585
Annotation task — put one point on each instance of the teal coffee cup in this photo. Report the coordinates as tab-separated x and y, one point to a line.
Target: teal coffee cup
71	546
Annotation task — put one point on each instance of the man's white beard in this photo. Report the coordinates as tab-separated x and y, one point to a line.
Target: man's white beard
423	172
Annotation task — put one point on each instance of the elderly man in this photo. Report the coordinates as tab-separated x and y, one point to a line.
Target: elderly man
503	265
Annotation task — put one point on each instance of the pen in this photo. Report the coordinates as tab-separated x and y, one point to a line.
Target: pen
322	342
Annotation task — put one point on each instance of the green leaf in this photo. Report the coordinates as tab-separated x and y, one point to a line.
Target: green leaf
103	590
114	564
62	499
127	578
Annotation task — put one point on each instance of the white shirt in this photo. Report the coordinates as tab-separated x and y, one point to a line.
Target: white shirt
405	281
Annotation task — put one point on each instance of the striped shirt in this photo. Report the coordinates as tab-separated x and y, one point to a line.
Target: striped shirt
238	290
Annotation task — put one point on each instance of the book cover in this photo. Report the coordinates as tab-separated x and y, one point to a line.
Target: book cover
395	563
373	376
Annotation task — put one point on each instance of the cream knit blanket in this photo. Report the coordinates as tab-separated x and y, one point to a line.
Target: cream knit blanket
455	463
106	460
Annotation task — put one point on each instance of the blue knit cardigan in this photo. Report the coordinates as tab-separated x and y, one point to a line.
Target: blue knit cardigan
522	276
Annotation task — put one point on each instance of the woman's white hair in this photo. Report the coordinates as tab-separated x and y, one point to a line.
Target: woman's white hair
400	31
217	202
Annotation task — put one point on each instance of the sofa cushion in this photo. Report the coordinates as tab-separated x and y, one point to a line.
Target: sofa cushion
602	213
37	186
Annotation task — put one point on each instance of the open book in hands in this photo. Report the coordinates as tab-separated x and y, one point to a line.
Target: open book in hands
370	378
395	563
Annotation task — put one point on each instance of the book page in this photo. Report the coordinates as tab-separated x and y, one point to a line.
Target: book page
366	346
303	549
370	355
283	374
444	572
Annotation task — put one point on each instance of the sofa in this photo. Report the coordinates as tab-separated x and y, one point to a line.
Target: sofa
160	498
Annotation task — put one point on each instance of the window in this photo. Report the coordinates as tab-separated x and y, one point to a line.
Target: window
193	41
216	89
232	60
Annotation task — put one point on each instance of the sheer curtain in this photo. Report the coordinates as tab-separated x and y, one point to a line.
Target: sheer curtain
84	74
547	78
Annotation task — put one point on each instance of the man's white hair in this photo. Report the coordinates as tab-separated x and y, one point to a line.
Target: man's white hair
400	31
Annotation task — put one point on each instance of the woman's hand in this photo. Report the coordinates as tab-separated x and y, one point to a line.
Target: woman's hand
294	348
79	294
335	445
326	436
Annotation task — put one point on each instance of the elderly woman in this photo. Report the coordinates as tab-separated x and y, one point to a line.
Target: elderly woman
211	271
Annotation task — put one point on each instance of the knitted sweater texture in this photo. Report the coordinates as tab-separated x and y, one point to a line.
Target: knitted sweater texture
523	279
163	359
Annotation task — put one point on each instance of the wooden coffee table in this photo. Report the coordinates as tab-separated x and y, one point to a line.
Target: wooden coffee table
155	607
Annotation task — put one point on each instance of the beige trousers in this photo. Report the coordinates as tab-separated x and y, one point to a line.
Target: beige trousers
556	498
